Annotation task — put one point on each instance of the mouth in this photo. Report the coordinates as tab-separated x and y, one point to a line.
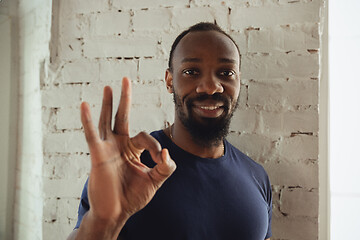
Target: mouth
209	110
209	107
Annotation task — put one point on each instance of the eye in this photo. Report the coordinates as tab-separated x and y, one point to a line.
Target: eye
191	72
227	73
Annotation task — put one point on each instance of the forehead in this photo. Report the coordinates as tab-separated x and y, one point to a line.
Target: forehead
205	45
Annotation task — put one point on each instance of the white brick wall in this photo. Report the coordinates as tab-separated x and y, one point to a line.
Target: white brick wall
99	42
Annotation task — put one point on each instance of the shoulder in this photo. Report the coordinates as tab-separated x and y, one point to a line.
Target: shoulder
256	169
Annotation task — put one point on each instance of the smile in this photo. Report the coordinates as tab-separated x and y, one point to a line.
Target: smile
209	111
209	107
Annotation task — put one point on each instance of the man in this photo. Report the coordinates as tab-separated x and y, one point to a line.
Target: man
216	192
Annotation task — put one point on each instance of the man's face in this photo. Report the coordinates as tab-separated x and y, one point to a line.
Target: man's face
205	80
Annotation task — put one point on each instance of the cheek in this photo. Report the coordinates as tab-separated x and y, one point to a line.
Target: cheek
232	90
184	88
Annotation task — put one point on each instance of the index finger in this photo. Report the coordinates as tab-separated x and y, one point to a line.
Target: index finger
89	128
121	126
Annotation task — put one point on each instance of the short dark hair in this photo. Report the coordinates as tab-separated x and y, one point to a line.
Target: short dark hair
199	27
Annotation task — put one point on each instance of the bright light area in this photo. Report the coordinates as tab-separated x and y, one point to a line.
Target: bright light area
344	77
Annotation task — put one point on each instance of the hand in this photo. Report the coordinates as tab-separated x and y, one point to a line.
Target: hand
119	184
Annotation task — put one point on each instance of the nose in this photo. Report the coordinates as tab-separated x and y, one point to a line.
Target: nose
210	85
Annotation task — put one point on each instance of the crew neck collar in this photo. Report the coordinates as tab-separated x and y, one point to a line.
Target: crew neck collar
176	151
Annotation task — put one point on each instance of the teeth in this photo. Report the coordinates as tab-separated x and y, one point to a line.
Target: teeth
209	107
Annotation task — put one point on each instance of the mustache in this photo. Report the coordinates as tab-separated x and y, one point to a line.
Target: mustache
216	97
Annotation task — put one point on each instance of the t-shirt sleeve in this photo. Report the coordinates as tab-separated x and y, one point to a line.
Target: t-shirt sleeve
83	206
269	202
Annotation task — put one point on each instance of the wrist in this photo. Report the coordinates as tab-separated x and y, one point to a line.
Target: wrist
102	228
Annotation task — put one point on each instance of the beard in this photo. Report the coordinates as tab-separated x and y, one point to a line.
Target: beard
205	131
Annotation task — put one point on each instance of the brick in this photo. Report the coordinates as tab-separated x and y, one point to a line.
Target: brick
293	174
299	147
206	3
66	208
62	229
61	97
301	121
80	71
50	210
255	146
184	18
147	95
120	47
65	142
66	166
275	123
69	49
240	40
152	20
153	99
167	105
256	66
48	119
221	15
109	23
74	26
93	93
246	3
297	228
283	38
244	120
152	69
66	188
241	18
70	7
68	118
300	202
166	41
129	4
146	118
286	94
114	70
243	95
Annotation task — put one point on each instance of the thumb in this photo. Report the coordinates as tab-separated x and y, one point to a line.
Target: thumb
163	169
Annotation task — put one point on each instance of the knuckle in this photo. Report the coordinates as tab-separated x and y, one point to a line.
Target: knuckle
142	134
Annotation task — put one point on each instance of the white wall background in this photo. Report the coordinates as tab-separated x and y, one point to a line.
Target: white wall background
94	43
344	52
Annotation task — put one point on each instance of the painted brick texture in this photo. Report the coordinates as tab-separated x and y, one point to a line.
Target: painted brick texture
276	124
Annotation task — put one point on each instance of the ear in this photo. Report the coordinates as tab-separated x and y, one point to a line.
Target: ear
169	80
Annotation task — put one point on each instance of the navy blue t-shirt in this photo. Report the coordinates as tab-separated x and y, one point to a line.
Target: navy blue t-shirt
224	198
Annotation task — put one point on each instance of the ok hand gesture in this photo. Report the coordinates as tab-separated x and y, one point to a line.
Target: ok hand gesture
119	184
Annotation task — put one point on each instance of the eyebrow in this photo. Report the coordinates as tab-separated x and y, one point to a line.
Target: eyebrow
191	60
226	60
222	60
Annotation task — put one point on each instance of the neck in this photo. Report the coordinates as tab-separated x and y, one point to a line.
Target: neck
182	138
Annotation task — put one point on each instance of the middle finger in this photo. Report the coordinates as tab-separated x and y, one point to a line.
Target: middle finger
106	113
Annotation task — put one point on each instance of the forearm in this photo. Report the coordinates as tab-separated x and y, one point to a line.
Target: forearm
92	228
